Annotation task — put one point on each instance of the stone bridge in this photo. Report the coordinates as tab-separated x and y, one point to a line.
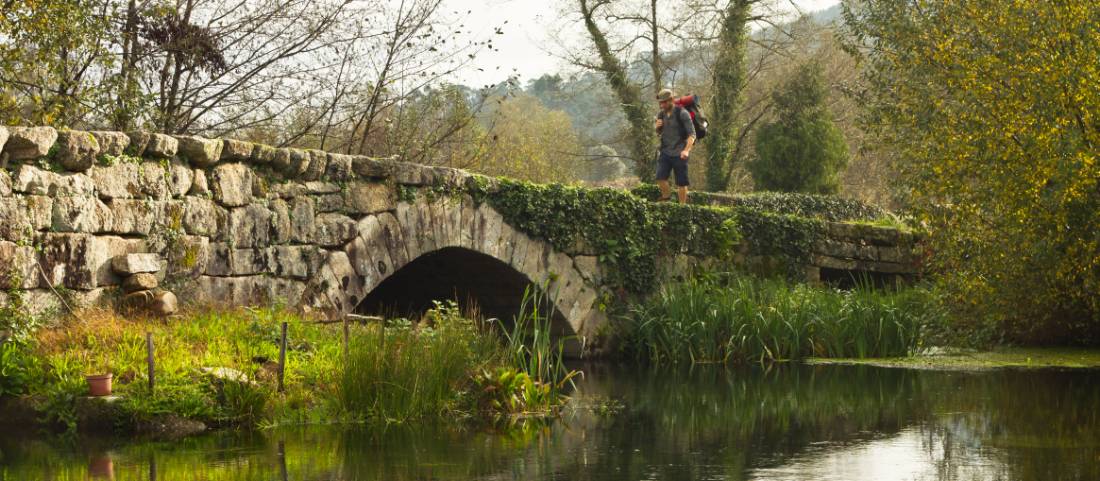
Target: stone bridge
241	223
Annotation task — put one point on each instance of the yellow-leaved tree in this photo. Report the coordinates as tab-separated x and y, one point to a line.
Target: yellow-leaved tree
992	106
525	140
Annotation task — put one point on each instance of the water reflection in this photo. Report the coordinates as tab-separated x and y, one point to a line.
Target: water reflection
787	422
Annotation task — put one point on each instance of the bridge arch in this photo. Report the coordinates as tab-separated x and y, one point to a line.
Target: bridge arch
388	243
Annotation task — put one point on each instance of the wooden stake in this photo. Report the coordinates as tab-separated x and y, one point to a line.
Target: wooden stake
149	361
347	335
282	358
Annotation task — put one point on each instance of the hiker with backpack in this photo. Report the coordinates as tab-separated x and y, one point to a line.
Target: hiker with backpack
676	144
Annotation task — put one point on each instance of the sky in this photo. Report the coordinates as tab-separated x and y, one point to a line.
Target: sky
525	48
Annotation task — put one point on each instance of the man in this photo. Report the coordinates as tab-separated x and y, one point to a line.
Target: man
676	143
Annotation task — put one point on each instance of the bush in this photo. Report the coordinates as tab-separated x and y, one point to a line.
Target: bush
802	150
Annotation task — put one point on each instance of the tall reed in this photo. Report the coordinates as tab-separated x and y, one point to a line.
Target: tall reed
745	319
404	371
532	345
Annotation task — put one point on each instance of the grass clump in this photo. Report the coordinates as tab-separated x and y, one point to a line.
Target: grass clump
745	319
449	366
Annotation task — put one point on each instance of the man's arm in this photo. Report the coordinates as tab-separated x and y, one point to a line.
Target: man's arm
659	123
687	148
689	129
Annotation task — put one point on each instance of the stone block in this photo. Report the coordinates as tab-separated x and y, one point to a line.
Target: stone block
18	266
328	203
3	139
199	186
299	164
296	262
72	184
122	180
589	268
189	257
281	160
263	154
412	174
371	168
164	304
200	151
83	261
225	261
302	220
111	143
318	162
139	282
339	168
34	181
334	230
134	217
236	150
154	180
232	184
130	264
321	187
180	179
76	150
139	141
203	217
161	146
25	143
83	214
5	183
287	190
393	239
249	226
280	221
369	197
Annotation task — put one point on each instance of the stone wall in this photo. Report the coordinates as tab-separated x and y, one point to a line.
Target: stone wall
243	223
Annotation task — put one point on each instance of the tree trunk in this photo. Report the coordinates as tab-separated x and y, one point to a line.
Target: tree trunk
640	135
729	81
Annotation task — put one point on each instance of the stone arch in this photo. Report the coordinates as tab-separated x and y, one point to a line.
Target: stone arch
388	241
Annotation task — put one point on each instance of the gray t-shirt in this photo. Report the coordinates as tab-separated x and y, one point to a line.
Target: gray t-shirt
673	136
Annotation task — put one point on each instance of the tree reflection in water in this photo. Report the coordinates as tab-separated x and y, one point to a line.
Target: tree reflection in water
783	422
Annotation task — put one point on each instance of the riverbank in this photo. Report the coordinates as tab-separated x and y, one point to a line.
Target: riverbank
948	359
221	368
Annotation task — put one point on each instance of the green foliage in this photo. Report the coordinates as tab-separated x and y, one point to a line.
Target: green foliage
407	372
534	350
730	78
993	104
627	232
746	319
802	151
824	207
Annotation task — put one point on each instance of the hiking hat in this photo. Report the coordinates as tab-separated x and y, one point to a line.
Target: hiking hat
664	94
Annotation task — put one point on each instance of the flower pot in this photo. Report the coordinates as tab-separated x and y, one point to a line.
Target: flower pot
99	384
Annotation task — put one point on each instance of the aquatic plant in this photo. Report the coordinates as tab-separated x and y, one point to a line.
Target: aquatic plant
745	319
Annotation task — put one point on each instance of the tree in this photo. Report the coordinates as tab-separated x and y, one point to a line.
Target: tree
992	104
525	140
802	151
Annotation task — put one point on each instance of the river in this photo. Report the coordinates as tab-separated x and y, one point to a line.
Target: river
785	422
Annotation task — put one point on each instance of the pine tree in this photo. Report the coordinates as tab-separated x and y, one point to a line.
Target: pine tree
802	150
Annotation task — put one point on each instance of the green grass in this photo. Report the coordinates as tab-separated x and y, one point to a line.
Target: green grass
745	319
434	369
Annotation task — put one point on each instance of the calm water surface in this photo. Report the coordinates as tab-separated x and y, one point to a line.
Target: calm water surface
783	423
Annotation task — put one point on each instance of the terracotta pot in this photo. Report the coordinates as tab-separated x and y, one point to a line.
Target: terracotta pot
99	384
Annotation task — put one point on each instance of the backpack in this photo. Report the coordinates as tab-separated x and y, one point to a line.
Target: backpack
698	119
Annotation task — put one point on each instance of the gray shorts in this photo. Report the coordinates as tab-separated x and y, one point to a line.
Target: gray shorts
669	163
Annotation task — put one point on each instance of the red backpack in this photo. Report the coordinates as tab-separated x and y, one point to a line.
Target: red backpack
698	119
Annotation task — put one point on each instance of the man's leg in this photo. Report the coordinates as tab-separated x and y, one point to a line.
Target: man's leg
663	184
681	171
664	168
